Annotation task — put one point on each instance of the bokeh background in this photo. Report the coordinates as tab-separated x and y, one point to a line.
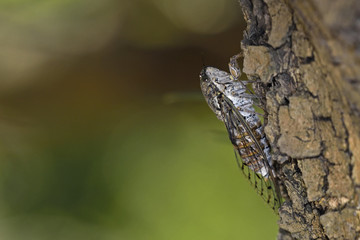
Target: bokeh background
104	131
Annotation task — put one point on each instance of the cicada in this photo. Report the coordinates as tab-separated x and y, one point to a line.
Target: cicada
233	103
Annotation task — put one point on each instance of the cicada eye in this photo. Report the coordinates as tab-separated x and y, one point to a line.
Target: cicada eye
203	78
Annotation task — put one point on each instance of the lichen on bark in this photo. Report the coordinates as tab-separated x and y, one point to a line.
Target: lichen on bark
312	104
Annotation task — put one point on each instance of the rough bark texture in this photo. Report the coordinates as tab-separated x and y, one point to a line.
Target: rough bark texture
306	53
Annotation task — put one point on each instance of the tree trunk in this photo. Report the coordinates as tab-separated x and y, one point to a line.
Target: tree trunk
306	53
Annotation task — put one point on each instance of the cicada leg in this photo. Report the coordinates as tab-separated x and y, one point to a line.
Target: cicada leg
234	67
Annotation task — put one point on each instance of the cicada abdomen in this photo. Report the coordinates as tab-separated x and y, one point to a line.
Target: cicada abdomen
233	105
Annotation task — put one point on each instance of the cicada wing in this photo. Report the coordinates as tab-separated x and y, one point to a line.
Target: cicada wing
263	186
255	167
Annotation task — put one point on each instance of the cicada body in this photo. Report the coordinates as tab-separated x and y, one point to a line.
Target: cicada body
230	101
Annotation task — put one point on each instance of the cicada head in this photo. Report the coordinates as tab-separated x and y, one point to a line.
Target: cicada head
215	84
211	90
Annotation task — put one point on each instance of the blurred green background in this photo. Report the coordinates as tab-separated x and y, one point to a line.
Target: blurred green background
104	132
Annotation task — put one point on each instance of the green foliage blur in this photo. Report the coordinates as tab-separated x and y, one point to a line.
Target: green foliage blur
105	134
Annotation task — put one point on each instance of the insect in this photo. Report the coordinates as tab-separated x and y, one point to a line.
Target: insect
229	98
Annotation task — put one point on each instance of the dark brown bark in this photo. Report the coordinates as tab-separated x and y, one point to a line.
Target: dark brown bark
306	53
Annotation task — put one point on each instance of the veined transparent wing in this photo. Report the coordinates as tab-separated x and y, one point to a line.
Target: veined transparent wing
249	154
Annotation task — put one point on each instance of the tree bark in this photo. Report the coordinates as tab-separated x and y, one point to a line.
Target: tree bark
306	53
